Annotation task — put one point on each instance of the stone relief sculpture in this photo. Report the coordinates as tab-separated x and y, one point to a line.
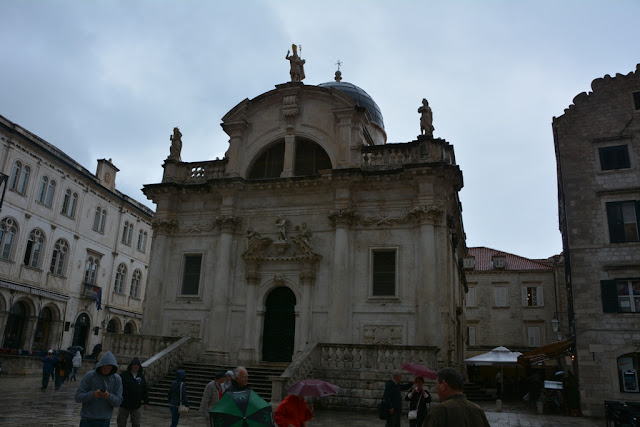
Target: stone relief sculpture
176	145
296	63
281	224
426	119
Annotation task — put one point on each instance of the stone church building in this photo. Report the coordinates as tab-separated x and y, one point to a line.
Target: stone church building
311	229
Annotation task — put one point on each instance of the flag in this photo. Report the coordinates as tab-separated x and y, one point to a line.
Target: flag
98	292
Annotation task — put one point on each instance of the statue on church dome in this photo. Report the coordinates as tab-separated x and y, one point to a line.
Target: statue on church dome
426	119
176	145
296	63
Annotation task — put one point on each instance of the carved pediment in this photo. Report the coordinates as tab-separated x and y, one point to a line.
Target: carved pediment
294	248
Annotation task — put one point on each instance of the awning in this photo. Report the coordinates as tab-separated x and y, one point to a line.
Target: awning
27	289
499	356
546	352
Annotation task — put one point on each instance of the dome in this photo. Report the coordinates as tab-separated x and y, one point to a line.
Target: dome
361	98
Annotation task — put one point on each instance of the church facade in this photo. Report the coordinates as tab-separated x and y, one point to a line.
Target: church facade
311	229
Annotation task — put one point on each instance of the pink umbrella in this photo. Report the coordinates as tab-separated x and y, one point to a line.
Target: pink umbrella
312	388
419	370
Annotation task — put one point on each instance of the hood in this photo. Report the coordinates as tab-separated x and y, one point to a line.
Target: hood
78	354
135	361
108	359
181	375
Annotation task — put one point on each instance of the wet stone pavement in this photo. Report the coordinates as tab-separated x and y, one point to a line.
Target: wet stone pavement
23	404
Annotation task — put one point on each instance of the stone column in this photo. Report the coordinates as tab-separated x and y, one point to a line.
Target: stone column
154	301
248	351
218	334
289	155
303	332
29	332
339	298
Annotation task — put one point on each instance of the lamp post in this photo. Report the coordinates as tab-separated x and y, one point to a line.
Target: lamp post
555	323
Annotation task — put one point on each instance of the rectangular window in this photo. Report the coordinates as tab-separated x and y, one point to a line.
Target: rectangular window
191	274
616	157
533	332
384	272
471	297
623	218
500	296
472	335
532	296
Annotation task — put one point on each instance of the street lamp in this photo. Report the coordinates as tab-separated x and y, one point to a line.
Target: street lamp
555	322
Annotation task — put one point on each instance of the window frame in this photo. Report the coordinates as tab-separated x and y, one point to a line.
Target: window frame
496	296
472	335
470	300
614	157
376	275
92	265
184	278
19	178
121	275
532	295
5	223
617	221
34	248
533	340
136	278
59	258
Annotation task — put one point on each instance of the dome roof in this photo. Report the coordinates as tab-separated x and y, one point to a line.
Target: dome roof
361	98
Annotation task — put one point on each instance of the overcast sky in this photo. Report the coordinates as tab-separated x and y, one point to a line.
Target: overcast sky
110	79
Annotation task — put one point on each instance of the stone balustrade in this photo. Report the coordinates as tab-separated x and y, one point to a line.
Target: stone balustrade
167	360
126	347
422	150
301	367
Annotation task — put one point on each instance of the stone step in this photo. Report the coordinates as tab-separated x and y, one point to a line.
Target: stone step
200	374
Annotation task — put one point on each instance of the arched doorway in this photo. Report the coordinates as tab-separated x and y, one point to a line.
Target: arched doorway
129	329
81	330
113	326
43	329
279	326
14	331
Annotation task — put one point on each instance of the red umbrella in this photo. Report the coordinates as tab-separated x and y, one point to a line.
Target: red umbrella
419	370
312	388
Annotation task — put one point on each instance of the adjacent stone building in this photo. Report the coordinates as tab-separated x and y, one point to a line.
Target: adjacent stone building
597	143
311	229
74	251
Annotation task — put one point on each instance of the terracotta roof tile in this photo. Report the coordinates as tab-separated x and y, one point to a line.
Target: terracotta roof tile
483	257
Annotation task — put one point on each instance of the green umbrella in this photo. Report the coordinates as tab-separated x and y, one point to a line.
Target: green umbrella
242	408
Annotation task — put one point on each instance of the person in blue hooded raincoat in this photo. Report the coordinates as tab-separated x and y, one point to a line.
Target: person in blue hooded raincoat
99	392
178	388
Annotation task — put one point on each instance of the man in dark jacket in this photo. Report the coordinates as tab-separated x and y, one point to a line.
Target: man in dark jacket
134	394
393	398
454	409
48	366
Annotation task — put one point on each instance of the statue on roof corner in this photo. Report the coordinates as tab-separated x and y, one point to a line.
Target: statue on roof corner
297	64
426	119
176	145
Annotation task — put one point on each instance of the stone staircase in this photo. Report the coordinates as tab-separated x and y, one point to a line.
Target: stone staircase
200	374
475	393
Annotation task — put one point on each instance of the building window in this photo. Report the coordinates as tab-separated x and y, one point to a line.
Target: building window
135	283
19	177
636	100
471	296
34	248
623	221
91	270
140	235
42	190
310	158
99	219
384	272
500	296
191	274
8	231
270	163
121	274
620	295
127	231
142	240
69	204
616	157
471	333
628	367
533	333
498	261
532	296
469	263
59	257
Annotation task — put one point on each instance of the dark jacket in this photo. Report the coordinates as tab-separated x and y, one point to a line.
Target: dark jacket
393	394
457	411
134	389
236	387
419	400
63	367
174	391
48	365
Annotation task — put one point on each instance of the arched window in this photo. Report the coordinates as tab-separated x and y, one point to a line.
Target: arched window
99	219
59	257
69	203
51	189
35	245
310	158
8	231
91	270
15	174
270	163
19	177
142	240
129	329
135	283
120	276
112	326
42	190
125	231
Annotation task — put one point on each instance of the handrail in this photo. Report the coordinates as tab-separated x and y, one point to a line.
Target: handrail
165	361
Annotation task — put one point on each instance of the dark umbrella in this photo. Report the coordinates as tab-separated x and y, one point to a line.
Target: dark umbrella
419	370
66	353
75	348
312	388
242	408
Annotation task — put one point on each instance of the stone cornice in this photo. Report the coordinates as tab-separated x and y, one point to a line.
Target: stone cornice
417	215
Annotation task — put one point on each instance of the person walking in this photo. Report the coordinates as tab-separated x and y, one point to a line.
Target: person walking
211	396
134	394
77	363
48	367
292	411
177	396
99	392
240	381
418	399
62	370
393	398
454	409
227	382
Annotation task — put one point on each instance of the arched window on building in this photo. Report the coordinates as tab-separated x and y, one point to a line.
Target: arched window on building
113	326
91	270
51	190
125	232
19	177
270	163
69	203
121	274
99	219
35	244
8	232
129	328
142	240
309	159
59	257
135	283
